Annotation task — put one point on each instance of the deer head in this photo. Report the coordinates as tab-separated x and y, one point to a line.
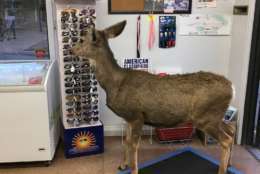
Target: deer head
96	40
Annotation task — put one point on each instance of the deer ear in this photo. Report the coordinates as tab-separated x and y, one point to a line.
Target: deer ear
115	30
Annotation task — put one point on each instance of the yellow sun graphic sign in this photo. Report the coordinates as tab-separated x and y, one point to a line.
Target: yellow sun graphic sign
83	140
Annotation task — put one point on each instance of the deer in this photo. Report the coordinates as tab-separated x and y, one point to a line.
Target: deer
141	98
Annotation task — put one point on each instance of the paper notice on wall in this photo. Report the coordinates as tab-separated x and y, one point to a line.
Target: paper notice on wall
207	3
209	24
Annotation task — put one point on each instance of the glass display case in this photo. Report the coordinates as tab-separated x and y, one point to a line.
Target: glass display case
23	73
23	30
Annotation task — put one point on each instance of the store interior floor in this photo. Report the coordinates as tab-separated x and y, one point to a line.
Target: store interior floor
108	162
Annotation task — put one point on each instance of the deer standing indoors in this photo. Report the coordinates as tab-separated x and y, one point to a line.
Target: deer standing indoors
143	98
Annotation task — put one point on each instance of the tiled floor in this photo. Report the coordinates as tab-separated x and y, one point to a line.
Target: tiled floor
108	162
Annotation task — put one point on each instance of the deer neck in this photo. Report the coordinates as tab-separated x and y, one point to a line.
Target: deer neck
109	74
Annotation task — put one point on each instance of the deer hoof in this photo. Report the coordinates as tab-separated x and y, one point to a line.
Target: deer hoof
123	167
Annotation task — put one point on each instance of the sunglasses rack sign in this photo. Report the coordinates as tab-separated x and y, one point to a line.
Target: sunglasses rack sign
80	91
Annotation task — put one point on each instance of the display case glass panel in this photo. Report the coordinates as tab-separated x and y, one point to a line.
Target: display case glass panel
23	73
23	30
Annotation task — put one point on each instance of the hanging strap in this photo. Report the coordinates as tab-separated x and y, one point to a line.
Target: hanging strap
138	36
151	37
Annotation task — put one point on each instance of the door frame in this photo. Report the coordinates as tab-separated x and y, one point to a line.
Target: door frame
253	82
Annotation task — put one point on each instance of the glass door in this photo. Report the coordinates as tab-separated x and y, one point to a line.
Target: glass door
23	30
251	125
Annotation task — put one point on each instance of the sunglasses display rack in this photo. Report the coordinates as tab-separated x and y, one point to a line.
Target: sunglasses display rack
80	90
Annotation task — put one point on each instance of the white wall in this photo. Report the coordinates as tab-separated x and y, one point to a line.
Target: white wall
239	57
192	53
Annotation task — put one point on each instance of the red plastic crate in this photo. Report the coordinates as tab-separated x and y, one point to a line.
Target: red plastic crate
181	132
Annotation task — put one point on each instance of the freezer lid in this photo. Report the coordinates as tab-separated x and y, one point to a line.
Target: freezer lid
23	75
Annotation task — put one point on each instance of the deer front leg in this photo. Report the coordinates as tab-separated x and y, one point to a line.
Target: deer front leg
125	162
135	134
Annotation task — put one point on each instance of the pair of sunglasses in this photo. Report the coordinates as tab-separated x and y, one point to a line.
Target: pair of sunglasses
89	83
73	114
69	72
88	77
73	91
69	66
90	107
69	85
71	59
93	90
72	79
75	109
70	33
73	97
73	103
73	39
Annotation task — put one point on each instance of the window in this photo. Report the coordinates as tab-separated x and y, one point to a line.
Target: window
23	30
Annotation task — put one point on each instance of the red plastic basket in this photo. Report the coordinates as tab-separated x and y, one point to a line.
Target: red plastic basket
182	132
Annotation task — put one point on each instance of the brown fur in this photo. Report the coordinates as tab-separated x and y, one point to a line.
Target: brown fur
143	98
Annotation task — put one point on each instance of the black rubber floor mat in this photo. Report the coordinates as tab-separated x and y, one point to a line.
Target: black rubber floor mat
185	161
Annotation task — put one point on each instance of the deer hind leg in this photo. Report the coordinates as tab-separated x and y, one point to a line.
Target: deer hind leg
125	163
226	139
224	133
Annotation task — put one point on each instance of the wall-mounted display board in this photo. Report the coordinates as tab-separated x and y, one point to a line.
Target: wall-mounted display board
149	6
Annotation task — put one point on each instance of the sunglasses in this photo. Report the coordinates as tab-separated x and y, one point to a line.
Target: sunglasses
87	102
73	91
65	14
71	59
70	79
72	103
73	26
73	97
69	72
87	96
95	113
88	114
64	26
73	12
85	71
67	52
75	109
85	65
87	119
74	19
95	101
95	118
69	66
67	46
89	83
90	107
85	77
92	90
87	89
70	120
69	85
65	40
65	33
